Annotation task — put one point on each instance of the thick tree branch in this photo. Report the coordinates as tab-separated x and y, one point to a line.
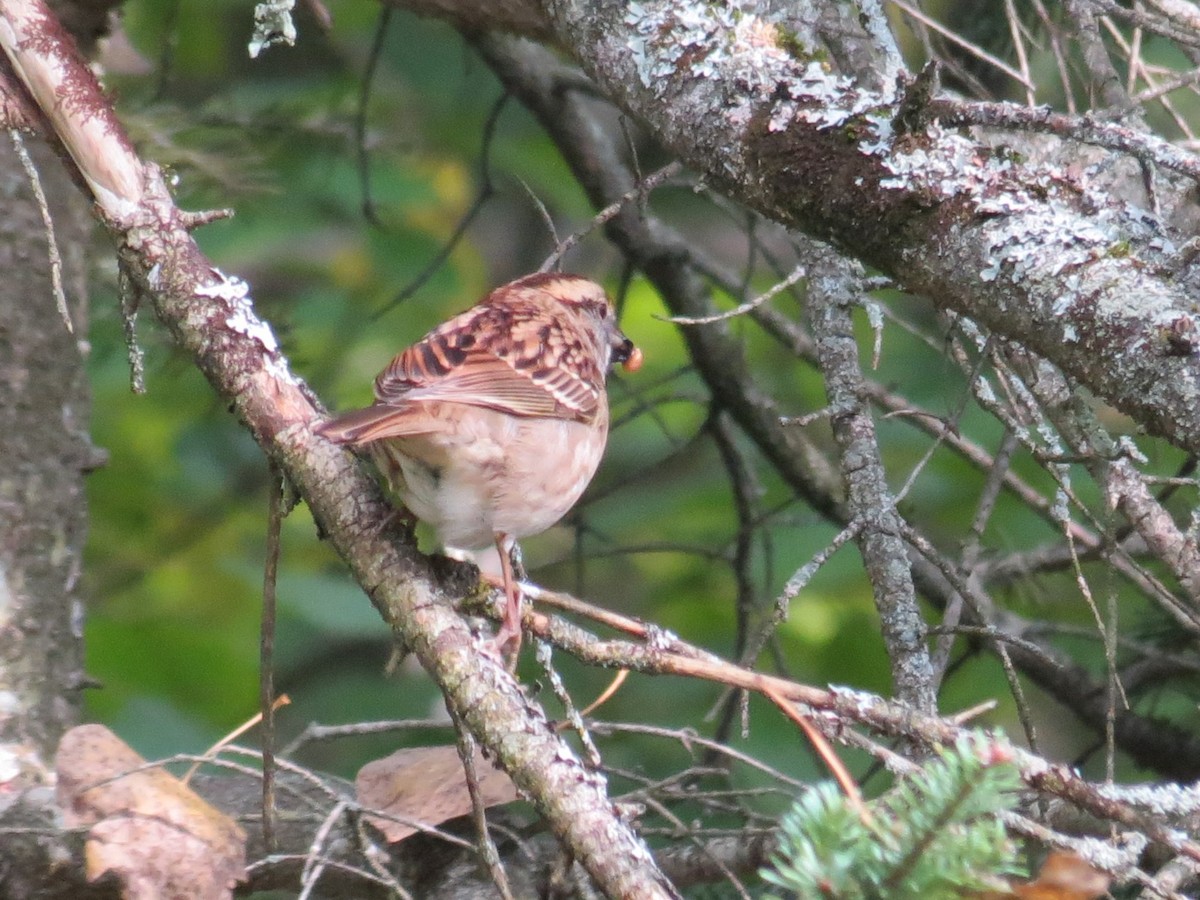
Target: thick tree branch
1031	251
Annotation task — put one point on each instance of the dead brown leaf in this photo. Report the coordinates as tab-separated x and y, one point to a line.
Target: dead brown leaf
427	785
1064	876
160	838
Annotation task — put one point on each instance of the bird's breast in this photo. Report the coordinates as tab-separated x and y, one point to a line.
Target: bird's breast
488	473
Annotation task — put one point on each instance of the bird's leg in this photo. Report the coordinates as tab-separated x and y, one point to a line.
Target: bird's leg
508	638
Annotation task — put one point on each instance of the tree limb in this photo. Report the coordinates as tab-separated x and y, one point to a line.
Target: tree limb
1028	249
211	317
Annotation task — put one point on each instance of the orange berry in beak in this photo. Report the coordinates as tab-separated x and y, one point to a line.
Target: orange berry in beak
635	360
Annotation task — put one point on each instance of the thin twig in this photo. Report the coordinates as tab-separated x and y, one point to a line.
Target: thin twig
797	273
266	659
486	846
35	182
639	193
360	115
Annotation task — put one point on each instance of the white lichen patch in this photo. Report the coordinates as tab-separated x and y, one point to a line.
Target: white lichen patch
660	639
951	165
273	25
879	139
707	37
242	319
226	289
730	44
1126	446
862	701
1165	799
276	366
820	98
1049	237
984	391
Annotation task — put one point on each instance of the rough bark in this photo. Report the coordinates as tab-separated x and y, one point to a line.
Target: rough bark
44	454
1031	250
868	496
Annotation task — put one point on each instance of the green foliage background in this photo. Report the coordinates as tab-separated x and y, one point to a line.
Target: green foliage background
178	515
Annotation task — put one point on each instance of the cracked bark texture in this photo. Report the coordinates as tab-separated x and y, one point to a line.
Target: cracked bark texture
45	449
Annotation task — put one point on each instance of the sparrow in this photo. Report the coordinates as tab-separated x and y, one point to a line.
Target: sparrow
490	427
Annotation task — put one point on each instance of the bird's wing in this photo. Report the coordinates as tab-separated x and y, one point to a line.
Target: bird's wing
513	358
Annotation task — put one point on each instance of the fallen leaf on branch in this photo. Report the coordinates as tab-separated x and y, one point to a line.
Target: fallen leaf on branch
1064	876
159	837
427	785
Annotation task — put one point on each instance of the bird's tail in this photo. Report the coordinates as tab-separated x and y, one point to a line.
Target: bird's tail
361	426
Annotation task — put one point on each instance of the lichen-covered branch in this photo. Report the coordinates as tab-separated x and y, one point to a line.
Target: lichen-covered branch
831	283
1030	250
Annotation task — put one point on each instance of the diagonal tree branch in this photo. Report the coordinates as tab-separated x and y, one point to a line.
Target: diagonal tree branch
1028	249
212	318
